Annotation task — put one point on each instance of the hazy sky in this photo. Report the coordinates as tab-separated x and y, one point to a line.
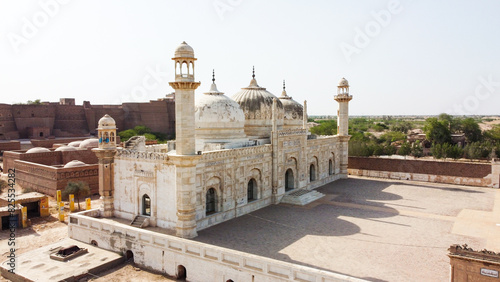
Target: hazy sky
400	57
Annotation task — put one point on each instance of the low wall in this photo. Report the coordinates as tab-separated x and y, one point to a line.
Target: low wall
49	179
451	172
202	262
10	146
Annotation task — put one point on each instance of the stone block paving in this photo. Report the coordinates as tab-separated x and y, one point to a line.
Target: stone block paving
379	230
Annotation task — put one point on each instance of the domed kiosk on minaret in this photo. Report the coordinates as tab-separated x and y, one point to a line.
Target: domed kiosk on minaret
257	104
218	119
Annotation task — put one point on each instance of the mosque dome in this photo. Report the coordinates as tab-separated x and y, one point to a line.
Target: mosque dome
293	111
37	150
184	50
65	148
217	116
74	163
89	143
106	122
257	104
74	144
343	83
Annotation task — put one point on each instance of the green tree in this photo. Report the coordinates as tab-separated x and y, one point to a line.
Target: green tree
35	102
417	150
452	151
493	134
325	127
471	130
79	188
392	136
405	149
126	134
437	131
141	130
452	123
403	126
437	151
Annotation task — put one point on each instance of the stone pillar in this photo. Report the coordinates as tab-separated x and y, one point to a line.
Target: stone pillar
344	154
185	182
106	180
495	173
274	142
304	116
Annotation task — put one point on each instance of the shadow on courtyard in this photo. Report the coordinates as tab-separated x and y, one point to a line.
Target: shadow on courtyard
268	231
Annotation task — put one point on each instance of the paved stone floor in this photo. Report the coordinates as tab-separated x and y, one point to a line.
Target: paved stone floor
380	230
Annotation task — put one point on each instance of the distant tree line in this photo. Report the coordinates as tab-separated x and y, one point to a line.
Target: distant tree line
388	136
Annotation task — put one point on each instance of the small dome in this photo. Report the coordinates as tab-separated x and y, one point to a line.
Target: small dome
184	50
217	116
90	143
75	143
65	148
343	83
74	163
293	110
37	150
257	104
106	122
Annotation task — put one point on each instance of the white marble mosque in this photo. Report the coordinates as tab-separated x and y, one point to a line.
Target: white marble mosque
231	156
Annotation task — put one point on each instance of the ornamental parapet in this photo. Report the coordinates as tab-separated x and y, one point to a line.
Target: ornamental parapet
132	154
342	98
465	251
290	132
230	153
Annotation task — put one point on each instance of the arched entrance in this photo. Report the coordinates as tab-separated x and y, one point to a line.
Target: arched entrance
181	272
289	181
129	255
252	190
211	203
312	173
146	205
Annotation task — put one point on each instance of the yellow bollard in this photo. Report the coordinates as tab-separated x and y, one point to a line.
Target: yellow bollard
58	196
71	202
44	206
24	212
61	211
88	203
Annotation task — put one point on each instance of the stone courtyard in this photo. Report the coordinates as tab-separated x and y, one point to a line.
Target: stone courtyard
379	230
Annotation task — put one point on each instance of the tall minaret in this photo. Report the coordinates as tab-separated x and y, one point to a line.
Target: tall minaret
185	158
343	98
184	86
106	154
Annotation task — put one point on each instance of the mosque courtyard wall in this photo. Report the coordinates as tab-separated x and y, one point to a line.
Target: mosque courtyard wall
200	262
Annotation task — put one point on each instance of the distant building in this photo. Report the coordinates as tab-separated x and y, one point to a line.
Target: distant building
65	119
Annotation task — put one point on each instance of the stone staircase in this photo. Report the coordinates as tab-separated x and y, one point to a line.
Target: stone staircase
140	221
134	142
302	197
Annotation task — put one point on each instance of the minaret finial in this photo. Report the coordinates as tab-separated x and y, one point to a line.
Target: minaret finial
213	76
283	85
253	72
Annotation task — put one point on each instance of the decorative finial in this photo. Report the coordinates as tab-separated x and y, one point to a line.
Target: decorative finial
283	85
213	76
253	72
